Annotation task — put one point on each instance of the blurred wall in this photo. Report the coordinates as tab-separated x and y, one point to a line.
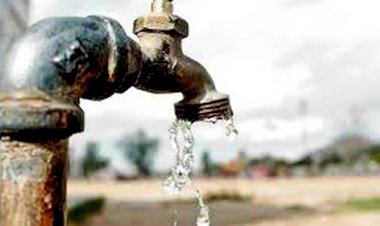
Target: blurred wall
13	20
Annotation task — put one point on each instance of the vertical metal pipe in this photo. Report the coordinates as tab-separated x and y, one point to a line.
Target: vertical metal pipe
33	182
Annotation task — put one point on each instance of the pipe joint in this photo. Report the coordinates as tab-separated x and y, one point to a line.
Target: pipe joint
58	61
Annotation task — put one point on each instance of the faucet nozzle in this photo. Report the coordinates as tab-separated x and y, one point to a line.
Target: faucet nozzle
219	108
165	68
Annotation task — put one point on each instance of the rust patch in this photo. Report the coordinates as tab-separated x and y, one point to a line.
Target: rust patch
33	186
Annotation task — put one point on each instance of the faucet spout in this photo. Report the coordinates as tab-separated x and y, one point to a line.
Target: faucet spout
166	69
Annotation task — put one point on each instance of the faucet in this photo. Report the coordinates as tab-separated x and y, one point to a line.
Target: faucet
60	60
166	69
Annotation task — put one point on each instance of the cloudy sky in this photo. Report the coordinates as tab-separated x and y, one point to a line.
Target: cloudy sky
299	72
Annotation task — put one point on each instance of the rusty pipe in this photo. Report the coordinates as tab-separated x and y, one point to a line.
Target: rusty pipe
48	69
58	61
33	181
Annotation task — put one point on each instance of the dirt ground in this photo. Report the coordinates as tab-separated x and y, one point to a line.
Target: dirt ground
281	202
352	219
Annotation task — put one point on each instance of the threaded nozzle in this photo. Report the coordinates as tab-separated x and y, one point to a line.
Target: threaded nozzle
219	109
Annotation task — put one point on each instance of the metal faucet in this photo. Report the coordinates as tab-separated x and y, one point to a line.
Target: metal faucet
60	60
166	69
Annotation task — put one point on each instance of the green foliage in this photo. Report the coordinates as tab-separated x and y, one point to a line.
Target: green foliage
278	166
331	159
264	160
319	165
374	153
91	162
371	204
306	161
207	168
140	150
226	195
82	210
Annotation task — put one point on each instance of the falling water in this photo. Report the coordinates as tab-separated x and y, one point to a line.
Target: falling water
231	131
182	141
204	212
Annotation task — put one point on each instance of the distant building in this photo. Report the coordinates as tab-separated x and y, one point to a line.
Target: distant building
262	172
237	167
233	169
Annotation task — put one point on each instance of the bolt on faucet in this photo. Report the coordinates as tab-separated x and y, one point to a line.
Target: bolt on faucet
60	60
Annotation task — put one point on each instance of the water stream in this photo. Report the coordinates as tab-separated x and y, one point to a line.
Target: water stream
182	142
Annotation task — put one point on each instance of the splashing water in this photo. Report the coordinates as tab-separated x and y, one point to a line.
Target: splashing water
231	131
182	141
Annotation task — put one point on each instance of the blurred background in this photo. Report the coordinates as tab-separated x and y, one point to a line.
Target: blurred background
303	79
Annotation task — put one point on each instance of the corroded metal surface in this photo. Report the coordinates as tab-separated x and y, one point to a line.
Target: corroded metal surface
58	61
33	182
40	117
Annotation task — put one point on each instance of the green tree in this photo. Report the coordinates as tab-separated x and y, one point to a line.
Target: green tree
374	153
349	148
206	164
140	150
91	162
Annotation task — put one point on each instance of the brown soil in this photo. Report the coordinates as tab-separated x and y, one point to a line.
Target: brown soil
284	202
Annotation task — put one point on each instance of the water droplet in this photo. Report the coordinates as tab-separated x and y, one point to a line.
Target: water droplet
213	120
231	131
